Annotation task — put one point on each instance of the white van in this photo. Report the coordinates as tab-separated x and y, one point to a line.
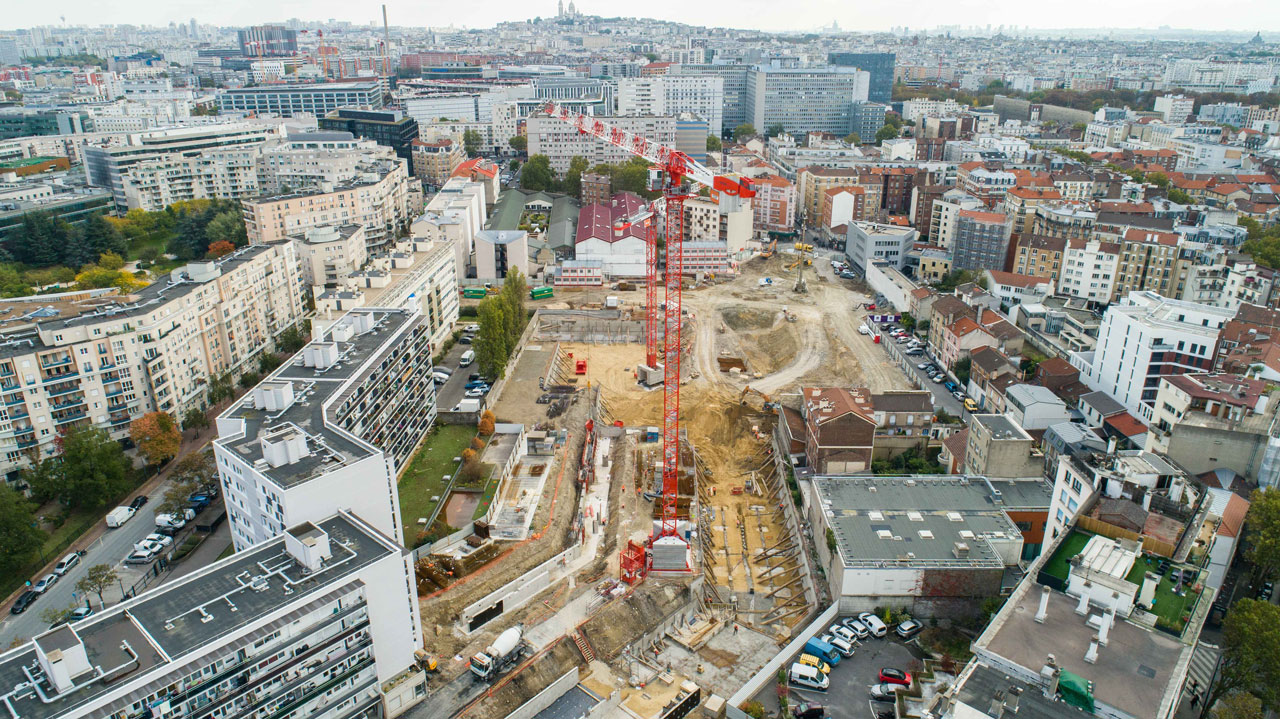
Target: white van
809	677
467	358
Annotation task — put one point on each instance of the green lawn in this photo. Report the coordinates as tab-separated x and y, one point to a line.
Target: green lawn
1071	546
425	476
1169	607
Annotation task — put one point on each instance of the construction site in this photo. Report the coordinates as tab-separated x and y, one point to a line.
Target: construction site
745	349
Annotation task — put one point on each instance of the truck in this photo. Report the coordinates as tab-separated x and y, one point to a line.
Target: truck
467	405
822	650
119	516
541	293
176	520
474	293
500	655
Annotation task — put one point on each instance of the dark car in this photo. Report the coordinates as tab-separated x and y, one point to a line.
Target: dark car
891	675
465	339
23	602
807	710
137	502
476	384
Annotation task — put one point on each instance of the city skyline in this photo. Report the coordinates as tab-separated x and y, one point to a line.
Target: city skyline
751	15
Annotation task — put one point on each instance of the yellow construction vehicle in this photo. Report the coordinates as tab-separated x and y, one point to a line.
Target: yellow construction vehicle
795	264
802	247
769	404
768	251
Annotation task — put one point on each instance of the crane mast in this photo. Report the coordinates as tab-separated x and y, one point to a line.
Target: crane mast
673	168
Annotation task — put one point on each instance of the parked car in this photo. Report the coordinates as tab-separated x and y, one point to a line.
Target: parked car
951	386
914	352
477	392
893	675
843	633
970	405
848	276
74	616
24	600
67	563
863	330
816	663
43	583
939	378
858	628
471	328
960	396
465	339
873	624
808	710
157	538
885	692
923	366
476	383
138	501
908	628
845	648
142	556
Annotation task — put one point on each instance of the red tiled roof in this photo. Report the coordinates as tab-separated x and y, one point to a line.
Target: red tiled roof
1135	234
1233	516
981	216
476	166
1126	424
596	221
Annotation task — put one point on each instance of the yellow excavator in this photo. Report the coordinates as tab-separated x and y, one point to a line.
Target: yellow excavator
769	404
767	252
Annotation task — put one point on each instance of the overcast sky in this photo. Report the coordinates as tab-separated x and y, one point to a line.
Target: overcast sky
1244	15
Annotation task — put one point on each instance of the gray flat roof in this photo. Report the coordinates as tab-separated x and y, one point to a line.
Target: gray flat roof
983	681
573	704
1000	426
1132	672
313	390
165	624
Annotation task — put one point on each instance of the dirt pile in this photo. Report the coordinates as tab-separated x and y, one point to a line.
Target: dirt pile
746	319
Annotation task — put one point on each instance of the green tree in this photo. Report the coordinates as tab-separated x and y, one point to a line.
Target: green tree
573	178
1180	197
537	175
888	132
227	226
1240	705
519	143
744	131
961	370
37	242
220	388
491	341
12	284
93	470
1159	179
853	138
471	140
714	144
1262	527
774	129
514	290
249	379
268	362
291	340
1250	654
632	176
194	419
96	580
19	534
907	321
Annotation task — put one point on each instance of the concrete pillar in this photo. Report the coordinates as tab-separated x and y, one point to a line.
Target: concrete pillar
1108	618
1091	656
1044	605
1083	607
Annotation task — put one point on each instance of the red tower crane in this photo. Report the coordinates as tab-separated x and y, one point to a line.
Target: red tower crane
672	168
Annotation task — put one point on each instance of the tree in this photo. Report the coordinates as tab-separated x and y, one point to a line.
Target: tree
19	534
1180	197
194	419
54	615
853	138
537	175
37	242
99	236
631	176
96	580
12	284
226	227
268	362
291	340
1159	179
744	131
961	370
249	379
471	140
220	388
519	143
1250	654
1262	527
157	436
491	341
111	261
714	144
93	470
514	290
175	496
1240	705
486	424
219	249
888	132
198	467
573	178
774	129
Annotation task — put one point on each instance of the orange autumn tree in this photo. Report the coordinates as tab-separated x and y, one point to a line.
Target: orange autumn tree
157	436
486	424
220	248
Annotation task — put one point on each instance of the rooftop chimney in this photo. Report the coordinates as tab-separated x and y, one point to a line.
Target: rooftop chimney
1044	605
1011	703
1091	656
284	446
1108	618
308	544
997	705
1083	607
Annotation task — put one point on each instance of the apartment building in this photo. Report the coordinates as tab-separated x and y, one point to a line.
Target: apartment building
1069	220
997	446
1021	202
108	160
774	206
288	100
879	65
868	242
320	622
981	240
1227	397
105	362
944	213
313	159
377	197
434	162
561	142
918	109
1175	108
733	83
390	128
813	182
1127	473
989	182
329	430
707	221
842	205
328	253
1151	261
1146	337
1089	269
213	174
805	99
702	96
1040	256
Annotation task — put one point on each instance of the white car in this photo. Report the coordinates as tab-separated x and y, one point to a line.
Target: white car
873	624
864	330
142	556
885	692
43	583
471	329
67	563
163	540
843	633
845	648
858	628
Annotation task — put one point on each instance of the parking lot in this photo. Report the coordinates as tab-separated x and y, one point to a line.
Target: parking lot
942	397
449	394
847	697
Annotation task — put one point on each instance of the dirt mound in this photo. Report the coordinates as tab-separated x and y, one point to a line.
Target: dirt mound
768	352
748	319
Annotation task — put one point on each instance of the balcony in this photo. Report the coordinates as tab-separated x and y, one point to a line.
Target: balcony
24	443
71	417
66	404
63	390
61	377
115	420
47	362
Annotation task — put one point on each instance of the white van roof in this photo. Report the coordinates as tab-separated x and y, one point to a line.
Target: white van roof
804	670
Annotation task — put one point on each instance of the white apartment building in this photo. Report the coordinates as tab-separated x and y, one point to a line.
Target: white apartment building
707	221
212	174
1116	475
1227	283
329	430
945	213
314	158
1175	108
455	214
1195	153
672	95
321	622
805	99
1105	133
560	142
328	253
917	110
1089	270
377	197
870	241
105	363
1144	337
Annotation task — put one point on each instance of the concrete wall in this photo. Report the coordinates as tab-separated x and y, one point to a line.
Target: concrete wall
769	672
1200	449
546	697
522	589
